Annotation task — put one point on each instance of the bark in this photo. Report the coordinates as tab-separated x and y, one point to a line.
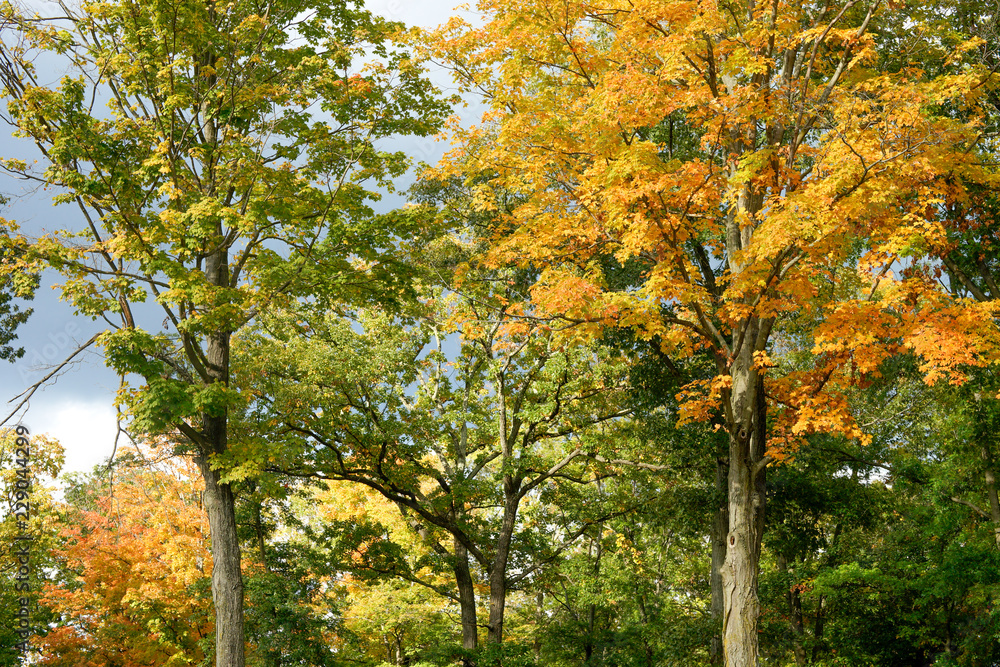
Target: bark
498	568
720	530
227	575
739	574
227	578
466	597
747	430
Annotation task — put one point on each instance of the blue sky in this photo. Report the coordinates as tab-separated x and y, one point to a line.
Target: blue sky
78	407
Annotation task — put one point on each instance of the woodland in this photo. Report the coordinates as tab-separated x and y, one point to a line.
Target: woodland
685	353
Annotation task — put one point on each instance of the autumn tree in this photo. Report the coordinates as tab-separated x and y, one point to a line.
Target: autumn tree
814	167
456	411
371	554
133	567
225	175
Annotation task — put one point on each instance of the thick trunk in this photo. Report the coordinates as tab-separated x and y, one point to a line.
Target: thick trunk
498	569
466	597
739	573
747	432
720	530
227	576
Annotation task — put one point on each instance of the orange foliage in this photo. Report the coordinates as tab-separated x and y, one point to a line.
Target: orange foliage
135	567
793	163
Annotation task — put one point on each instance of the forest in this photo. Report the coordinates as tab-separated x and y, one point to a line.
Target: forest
686	352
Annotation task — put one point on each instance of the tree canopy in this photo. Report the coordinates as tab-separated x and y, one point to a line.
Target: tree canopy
685	353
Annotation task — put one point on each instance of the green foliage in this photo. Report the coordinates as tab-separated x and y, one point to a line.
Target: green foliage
14	285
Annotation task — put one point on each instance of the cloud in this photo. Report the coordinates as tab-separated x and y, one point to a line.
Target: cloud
86	429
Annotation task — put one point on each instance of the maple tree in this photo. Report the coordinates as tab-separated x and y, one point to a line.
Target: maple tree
12	316
809	176
457	440
226	176
376	558
133	567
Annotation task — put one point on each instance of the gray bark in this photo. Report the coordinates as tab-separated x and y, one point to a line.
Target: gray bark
498	568
466	596
227	575
720	530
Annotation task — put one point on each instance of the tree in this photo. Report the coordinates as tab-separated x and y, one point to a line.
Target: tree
457	440
134	568
374	558
225	178
28	465
12	286
813	167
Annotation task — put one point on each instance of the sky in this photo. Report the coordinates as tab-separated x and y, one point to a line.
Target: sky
77	407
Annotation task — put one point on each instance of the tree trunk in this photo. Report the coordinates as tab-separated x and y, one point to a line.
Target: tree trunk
747	433
466	597
720	530
498	569
739	573
227	575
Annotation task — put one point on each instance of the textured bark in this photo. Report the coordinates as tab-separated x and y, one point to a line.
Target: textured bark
466	596
739	573
720	531
498	568
227	578
747	438
227	575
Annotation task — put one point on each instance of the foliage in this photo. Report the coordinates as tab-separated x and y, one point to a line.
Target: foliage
12	286
33	540
133	566
705	276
